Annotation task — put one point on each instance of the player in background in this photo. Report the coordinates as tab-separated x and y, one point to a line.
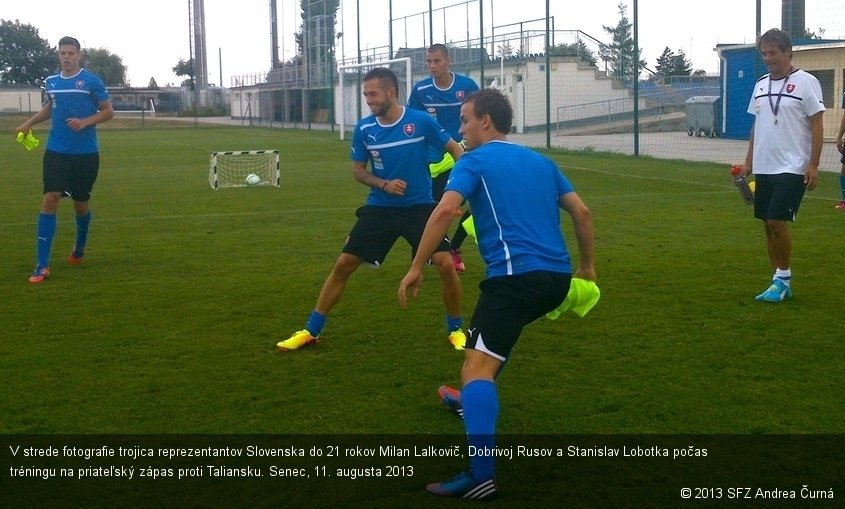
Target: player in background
441	95
395	141
516	195
77	101
783	151
841	149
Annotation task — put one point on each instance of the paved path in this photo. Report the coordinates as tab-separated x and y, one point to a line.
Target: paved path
673	145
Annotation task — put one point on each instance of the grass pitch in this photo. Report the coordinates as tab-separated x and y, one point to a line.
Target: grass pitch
170	324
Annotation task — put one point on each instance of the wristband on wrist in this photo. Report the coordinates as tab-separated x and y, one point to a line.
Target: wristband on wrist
384	186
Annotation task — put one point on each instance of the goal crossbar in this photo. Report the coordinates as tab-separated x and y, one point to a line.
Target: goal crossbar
232	168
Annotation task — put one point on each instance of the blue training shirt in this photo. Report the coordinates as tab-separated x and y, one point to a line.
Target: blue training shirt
443	104
76	96
398	151
513	194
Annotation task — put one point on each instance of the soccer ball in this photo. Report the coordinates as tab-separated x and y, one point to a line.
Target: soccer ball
252	179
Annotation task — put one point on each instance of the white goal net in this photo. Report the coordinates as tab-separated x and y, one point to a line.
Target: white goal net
244	169
350	82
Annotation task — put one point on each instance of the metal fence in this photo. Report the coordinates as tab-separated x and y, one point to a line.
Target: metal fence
567	87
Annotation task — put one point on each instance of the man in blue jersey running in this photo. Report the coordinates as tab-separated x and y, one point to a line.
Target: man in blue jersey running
441	95
77	101
395	141
516	196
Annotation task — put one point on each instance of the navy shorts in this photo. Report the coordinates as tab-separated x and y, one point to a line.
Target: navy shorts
378	228
70	174
508	303
778	197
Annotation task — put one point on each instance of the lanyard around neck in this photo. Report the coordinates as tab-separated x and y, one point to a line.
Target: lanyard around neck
776	105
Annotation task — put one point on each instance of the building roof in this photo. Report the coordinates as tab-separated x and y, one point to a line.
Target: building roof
797	45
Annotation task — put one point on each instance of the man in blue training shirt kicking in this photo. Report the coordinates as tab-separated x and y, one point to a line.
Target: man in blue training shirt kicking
516	196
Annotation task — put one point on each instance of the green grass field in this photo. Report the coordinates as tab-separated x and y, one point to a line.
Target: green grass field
170	324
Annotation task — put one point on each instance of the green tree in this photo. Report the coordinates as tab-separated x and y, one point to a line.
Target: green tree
107	66
620	52
578	49
152	85
671	65
681	66
809	34
185	68
665	63
25	58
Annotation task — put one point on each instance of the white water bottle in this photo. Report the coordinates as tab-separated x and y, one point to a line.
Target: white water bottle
742	184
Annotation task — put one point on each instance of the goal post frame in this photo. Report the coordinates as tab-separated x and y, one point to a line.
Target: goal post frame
270	174
408	86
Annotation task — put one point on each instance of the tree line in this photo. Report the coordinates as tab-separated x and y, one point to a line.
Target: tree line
26	59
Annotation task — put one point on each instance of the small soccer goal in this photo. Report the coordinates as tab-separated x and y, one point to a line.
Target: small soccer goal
249	168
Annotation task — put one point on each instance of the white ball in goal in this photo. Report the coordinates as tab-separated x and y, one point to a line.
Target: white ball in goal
242	169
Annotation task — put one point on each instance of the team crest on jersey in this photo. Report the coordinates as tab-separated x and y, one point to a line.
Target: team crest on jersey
790	87
80	84
408	129
460	95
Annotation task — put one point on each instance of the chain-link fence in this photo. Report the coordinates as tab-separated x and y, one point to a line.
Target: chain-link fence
568	88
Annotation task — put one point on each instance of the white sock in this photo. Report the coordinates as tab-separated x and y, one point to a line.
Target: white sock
784	275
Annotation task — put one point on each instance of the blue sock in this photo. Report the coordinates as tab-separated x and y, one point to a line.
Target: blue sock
842	185
453	324
315	323
82	223
481	409
44	238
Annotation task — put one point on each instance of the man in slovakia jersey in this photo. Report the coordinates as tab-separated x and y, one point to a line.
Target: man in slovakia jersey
395	142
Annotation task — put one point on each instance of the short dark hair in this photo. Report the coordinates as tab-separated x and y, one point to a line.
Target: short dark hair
490	101
69	41
777	37
439	47
386	77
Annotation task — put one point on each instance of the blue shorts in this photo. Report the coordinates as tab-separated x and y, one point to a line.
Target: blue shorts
70	174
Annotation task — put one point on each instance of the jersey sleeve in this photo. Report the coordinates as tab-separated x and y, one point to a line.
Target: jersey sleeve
464	176
414	100
473	86
752	104
564	186
435	136
358	151
815	104
98	90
